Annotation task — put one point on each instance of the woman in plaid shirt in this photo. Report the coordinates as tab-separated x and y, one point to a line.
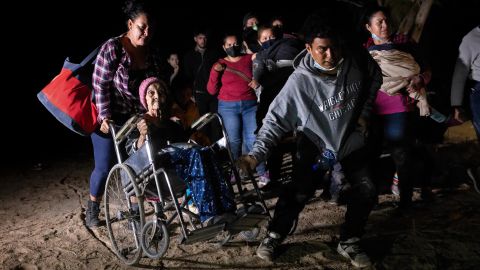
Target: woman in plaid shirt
122	63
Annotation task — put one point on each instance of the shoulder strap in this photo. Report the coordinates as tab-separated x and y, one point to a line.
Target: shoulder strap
239	73
90	56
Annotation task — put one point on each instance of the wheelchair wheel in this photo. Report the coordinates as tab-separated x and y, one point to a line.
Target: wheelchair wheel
123	222
155	239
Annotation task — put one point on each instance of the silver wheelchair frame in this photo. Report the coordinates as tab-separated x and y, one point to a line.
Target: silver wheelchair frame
131	235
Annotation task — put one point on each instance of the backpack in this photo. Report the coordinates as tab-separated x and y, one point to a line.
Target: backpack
68	97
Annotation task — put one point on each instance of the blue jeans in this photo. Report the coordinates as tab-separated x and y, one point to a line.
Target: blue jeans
240	124
475	106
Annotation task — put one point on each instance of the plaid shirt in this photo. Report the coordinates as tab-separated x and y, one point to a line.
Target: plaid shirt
110	81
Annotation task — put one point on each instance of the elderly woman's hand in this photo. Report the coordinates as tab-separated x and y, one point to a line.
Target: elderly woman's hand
142	127
416	83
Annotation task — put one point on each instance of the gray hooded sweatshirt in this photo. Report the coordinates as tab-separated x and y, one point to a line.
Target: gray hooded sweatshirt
325	108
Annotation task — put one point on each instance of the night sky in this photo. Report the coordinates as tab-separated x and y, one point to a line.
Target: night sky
43	35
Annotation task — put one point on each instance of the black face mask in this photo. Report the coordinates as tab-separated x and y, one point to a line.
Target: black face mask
233	51
278	31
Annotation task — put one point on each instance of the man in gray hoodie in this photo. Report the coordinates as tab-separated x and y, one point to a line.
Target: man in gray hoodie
327	101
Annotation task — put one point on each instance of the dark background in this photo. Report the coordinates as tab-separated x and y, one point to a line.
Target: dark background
44	34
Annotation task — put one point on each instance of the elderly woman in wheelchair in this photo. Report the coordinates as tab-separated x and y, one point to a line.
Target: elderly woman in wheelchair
188	162
159	169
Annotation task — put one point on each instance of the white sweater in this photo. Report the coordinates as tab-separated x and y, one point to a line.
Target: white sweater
467	66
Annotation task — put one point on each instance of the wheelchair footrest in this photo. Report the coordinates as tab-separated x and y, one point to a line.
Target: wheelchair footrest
247	196
204	233
246	222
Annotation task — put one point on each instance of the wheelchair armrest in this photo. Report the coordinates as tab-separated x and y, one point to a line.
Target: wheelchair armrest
127	128
202	121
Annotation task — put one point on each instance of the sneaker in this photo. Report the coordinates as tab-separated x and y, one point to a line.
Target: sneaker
351	250
263	179
334	200
394	188
268	246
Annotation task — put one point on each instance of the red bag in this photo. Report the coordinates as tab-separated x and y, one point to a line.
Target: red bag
69	96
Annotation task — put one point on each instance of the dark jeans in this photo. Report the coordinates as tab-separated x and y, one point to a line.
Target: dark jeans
104	155
393	131
293	198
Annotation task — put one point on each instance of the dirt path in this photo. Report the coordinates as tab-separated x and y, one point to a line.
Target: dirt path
42	227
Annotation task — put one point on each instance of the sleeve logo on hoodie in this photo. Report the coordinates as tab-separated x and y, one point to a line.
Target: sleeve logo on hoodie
341	102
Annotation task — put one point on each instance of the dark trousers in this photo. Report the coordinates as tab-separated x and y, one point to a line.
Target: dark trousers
275	160
395	131
293	198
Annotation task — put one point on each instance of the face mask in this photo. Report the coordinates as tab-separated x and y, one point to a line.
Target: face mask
233	51
375	37
319	67
267	44
255	27
277	31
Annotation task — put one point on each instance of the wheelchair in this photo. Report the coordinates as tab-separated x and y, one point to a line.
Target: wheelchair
142	199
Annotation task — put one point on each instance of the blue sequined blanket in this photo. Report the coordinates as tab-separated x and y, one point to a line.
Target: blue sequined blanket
198	168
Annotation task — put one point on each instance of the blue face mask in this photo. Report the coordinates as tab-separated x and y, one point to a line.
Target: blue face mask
319	67
375	37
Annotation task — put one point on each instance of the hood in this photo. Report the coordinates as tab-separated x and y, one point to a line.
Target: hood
304	63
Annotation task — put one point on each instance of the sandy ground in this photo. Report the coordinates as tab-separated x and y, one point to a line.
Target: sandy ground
42	226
